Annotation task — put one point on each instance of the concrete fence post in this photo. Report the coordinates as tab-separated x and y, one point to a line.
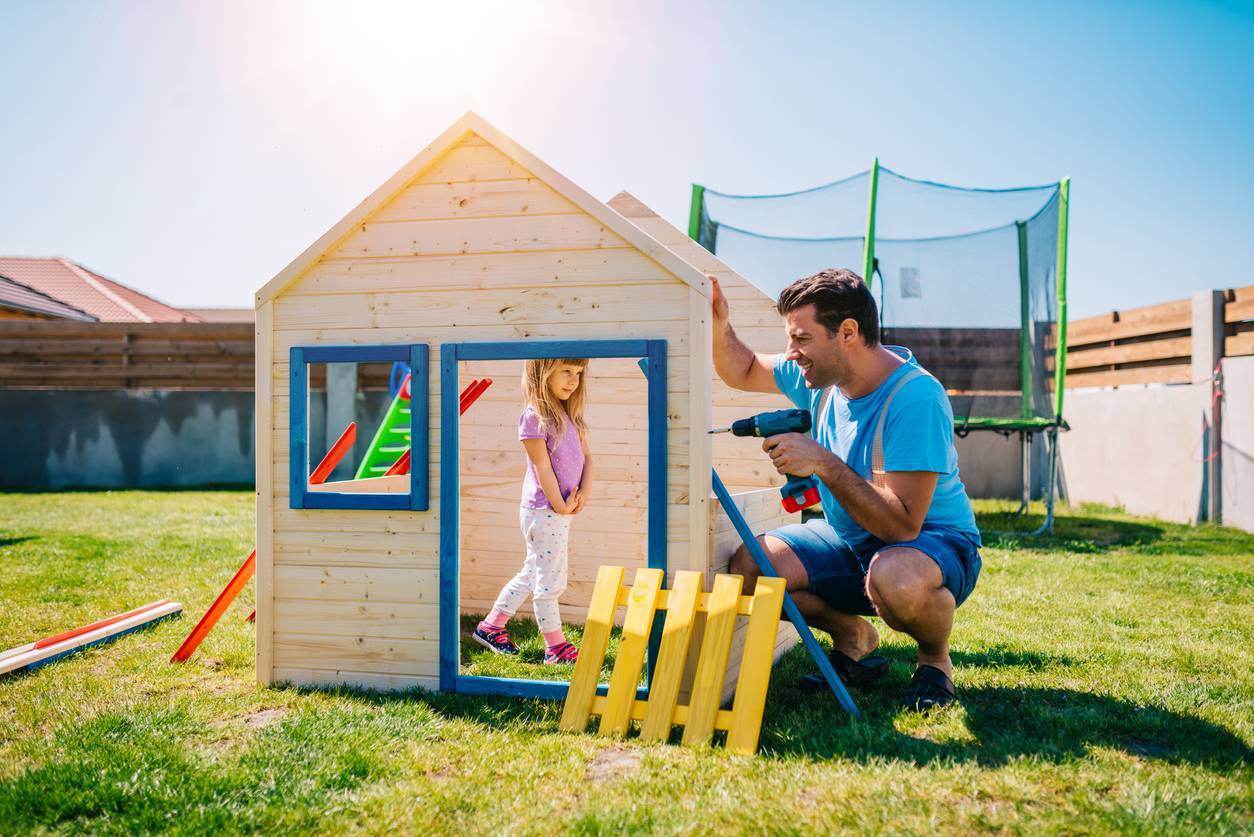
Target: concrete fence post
1208	348
341	409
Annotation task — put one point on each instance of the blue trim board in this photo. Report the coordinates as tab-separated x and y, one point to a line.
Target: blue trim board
653	354
790	607
300	497
357	354
419	427
298	421
450	490
519	687
656	377
532	349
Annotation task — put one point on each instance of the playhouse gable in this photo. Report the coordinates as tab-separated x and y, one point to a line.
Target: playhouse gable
476	192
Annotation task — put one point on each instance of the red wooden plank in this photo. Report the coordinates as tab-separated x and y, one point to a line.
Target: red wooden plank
219	606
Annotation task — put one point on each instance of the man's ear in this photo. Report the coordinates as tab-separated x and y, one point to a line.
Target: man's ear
849	331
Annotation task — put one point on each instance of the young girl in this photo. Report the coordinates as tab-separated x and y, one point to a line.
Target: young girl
559	473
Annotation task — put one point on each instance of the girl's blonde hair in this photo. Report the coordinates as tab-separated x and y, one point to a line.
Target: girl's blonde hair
535	387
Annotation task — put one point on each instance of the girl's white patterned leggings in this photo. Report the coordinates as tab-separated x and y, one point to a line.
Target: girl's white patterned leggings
543	575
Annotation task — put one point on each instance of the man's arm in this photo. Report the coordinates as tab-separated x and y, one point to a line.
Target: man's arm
736	363
892	512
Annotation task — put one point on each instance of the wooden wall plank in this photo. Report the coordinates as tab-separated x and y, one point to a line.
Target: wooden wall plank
469	199
574	231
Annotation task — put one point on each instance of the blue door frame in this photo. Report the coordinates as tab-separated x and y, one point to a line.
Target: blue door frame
653	354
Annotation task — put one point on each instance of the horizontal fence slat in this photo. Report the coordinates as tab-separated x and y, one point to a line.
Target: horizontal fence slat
1170	373
1135	322
1170	348
1239	304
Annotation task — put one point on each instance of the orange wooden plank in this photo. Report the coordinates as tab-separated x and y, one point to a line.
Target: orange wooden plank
219	606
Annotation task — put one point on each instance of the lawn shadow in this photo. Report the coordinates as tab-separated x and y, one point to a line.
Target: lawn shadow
993	726
14	540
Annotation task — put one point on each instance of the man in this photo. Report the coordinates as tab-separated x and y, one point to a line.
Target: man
898	537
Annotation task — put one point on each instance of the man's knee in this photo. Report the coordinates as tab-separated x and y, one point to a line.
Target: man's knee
742	564
900	582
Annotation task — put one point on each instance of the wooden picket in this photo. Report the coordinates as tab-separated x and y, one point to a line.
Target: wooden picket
702	716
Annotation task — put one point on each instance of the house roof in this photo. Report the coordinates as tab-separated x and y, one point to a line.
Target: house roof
15	295
468	124
87	291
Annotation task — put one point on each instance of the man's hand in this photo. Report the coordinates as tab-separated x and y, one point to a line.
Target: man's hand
796	454
718	303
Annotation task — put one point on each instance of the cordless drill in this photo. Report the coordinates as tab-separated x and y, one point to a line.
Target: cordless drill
799	492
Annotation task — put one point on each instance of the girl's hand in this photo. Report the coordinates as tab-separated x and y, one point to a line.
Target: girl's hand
573	503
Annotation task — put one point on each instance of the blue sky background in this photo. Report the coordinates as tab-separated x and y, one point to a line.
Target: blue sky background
193	149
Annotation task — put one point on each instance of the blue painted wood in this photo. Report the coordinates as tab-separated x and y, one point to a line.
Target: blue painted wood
450	598
357	354
335	500
518	687
790	607
655	356
419	428
418	498
298	443
527	349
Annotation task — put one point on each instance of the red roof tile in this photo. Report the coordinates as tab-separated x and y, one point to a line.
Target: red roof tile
19	297
102	298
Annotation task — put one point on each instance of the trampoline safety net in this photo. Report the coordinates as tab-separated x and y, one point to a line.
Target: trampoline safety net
973	281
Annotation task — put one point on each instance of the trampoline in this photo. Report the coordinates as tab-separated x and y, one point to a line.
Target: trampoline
974	281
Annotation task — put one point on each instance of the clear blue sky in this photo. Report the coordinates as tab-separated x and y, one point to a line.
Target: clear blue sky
193	149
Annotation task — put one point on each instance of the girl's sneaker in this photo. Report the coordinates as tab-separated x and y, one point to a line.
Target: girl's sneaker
562	653
495	640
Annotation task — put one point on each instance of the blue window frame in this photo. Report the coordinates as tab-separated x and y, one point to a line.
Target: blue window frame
300	497
653	355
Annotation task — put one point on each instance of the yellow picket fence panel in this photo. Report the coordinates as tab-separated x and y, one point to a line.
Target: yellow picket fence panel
682	602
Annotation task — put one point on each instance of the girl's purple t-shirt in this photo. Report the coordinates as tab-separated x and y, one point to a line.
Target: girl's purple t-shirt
565	452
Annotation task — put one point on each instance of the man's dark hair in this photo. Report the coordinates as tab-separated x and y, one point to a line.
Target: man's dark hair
837	295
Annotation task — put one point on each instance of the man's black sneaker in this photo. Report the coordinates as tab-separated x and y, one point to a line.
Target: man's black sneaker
930	688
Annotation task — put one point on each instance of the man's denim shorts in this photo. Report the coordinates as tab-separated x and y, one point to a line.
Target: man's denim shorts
837	570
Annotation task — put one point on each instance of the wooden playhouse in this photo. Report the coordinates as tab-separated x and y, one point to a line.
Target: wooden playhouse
472	257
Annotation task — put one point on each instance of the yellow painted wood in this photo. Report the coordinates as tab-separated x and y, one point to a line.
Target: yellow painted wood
707	687
681	609
755	666
596	638
640	708
631	651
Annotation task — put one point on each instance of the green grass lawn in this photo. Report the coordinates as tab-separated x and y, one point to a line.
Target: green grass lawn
1106	678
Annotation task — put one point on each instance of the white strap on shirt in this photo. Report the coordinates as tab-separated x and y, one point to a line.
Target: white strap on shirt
877	434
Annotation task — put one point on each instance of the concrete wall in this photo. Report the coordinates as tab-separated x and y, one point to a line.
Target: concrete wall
1237	427
125	439
1142	448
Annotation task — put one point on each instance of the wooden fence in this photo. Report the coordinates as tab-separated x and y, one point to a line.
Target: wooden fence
1152	344
1145	345
60	354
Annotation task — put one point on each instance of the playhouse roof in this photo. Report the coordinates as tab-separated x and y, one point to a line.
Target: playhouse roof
473	123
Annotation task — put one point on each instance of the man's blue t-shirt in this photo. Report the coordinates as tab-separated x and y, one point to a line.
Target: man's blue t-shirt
918	436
